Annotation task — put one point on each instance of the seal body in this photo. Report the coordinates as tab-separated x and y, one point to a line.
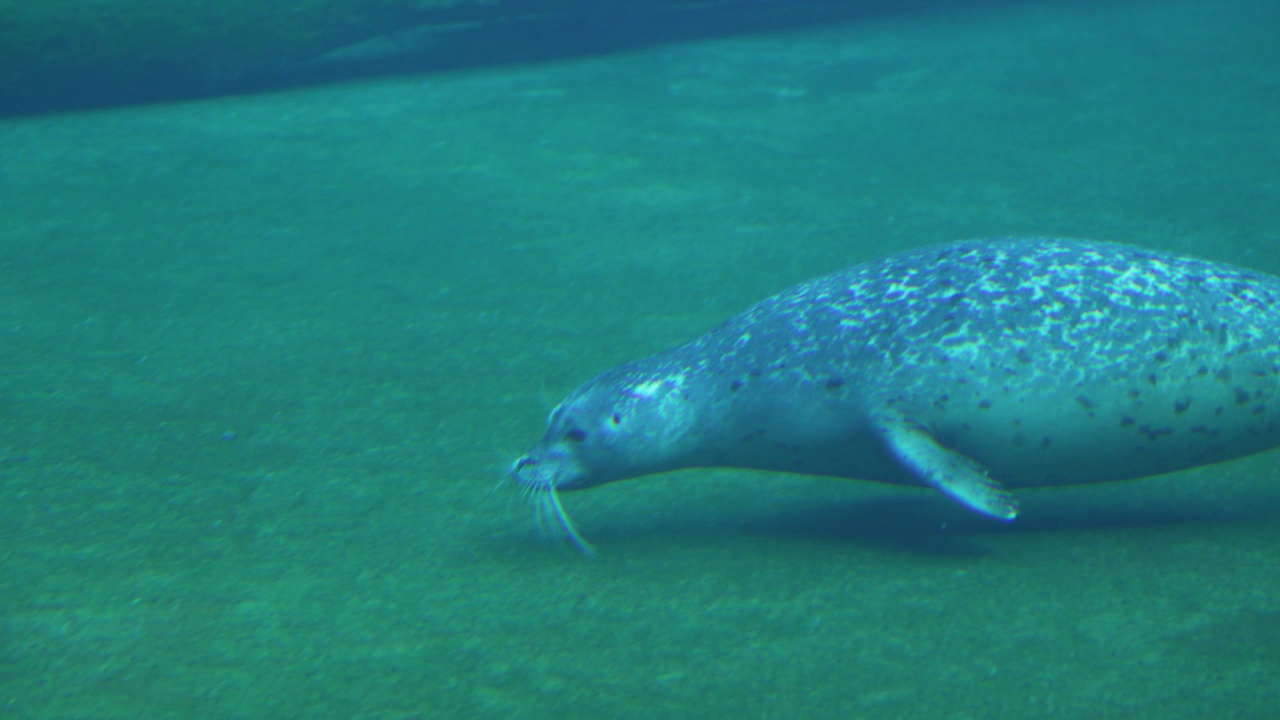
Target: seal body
969	367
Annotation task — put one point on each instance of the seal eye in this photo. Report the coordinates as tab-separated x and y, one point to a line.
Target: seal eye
617	419
575	435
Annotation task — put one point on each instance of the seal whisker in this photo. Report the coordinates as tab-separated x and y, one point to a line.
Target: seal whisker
548	402
505	472
550	527
503	482
539	515
562	519
506	478
519	495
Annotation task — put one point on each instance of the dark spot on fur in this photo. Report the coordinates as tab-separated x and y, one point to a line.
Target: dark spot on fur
1218	411
834	383
1180	406
1152	379
1135	393
1242	395
1223	374
1023	356
754	373
985	404
1153	433
1205	430
1085	402
1260	409
1126	421
1162	356
736	385
1202	371
1046	441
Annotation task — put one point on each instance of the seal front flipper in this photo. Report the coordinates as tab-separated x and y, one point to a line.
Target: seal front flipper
957	476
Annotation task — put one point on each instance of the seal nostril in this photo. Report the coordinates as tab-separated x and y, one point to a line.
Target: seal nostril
526	460
576	435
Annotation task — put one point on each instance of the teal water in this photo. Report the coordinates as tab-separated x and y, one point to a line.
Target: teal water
265	359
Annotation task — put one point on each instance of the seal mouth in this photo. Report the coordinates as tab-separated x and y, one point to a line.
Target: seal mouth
549	513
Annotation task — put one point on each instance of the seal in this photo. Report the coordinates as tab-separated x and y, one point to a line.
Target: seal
969	367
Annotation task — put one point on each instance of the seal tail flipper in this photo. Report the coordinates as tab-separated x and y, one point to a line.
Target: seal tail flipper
956	476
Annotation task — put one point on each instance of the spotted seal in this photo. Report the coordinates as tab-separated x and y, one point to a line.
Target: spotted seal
969	367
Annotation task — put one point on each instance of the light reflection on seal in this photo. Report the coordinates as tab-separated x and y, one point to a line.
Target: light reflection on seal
969	367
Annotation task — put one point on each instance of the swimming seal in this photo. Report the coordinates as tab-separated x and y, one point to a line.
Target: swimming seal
968	367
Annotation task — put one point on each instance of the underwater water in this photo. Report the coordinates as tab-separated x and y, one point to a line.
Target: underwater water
266	358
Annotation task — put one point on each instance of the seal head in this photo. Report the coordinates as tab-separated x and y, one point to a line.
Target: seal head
623	424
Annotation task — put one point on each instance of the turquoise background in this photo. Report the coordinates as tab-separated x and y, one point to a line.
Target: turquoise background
264	360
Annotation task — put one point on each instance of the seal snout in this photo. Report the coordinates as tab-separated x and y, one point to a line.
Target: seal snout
525	471
545	468
520	463
539	482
